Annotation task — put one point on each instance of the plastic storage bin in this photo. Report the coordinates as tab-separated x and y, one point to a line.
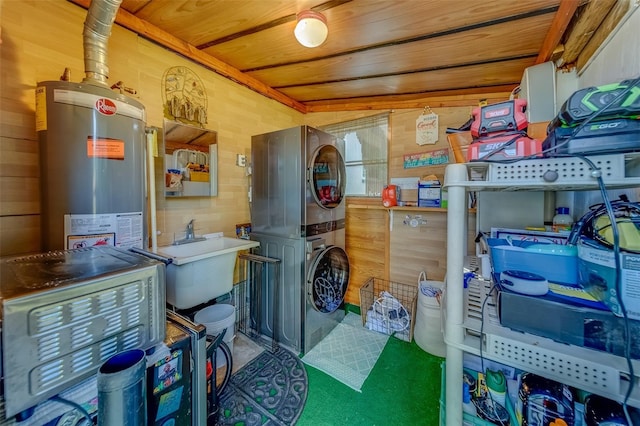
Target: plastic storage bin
557	263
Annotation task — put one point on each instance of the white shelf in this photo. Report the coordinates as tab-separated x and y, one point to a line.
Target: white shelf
583	368
551	174
590	370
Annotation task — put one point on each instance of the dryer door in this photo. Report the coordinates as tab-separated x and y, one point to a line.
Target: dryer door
327	177
328	278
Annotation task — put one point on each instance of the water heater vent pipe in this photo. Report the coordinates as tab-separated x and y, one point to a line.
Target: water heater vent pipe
97	29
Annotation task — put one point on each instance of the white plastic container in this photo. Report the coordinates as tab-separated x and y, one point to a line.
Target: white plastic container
562	221
427	331
216	318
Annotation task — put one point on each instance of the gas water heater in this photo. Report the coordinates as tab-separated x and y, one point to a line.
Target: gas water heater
92	160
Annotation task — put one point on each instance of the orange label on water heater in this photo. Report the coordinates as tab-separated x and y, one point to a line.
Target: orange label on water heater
112	149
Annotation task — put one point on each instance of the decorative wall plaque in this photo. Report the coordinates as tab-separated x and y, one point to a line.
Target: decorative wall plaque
184	96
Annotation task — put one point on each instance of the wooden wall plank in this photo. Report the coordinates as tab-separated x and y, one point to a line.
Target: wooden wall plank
20	196
422	248
19	157
19	234
366	245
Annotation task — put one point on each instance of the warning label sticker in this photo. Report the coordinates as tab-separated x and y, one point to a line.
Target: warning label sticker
112	149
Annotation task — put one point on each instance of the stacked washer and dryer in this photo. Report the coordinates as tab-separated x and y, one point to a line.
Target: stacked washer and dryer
298	216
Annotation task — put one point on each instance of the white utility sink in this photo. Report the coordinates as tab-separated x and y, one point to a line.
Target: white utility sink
202	270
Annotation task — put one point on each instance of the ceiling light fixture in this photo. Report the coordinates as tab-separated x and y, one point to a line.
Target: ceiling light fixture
311	29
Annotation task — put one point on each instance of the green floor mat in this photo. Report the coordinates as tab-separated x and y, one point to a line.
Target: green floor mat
402	389
348	353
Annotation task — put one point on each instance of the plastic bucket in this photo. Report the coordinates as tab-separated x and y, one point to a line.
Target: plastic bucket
217	318
427	331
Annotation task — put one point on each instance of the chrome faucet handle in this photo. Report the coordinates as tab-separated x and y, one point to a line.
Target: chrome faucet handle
189	230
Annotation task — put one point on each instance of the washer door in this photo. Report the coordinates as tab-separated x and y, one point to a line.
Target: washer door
328	278
327	177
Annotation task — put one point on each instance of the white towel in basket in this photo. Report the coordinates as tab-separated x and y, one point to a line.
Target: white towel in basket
387	315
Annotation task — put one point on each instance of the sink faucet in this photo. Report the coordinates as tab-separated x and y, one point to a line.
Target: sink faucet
189	234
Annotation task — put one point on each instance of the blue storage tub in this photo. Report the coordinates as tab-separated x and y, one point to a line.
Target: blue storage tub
557	263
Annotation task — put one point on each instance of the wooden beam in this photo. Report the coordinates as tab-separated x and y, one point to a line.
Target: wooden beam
151	32
559	24
451	98
589	19
619	10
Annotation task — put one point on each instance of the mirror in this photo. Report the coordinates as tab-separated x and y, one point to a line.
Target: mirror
190	161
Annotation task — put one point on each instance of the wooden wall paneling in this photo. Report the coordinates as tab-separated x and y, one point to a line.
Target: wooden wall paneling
29	56
20	195
19	177
19	157
366	246
423	248
19	235
418	249
403	135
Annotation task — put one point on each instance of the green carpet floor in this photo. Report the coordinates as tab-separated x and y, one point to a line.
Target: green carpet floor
402	389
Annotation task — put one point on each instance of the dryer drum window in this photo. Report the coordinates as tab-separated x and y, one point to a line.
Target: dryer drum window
328	177
328	279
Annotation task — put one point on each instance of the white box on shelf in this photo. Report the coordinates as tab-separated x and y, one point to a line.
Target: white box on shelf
429	193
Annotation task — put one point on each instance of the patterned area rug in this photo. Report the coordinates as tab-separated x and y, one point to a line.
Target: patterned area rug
270	390
348	353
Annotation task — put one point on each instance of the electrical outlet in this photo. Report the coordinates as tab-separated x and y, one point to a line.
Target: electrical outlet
241	160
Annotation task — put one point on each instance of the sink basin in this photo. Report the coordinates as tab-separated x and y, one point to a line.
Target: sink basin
210	247
202	270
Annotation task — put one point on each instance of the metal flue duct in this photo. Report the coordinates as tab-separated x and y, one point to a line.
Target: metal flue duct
97	29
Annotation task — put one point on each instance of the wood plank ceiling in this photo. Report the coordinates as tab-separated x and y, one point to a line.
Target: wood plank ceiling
378	52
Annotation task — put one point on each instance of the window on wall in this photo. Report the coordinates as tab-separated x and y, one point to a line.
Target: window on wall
365	147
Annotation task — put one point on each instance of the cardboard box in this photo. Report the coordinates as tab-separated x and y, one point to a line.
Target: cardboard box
429	193
597	274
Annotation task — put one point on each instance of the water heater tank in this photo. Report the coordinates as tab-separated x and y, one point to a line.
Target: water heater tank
92	166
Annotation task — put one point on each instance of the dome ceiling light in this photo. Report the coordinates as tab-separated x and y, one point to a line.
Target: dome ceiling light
311	29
